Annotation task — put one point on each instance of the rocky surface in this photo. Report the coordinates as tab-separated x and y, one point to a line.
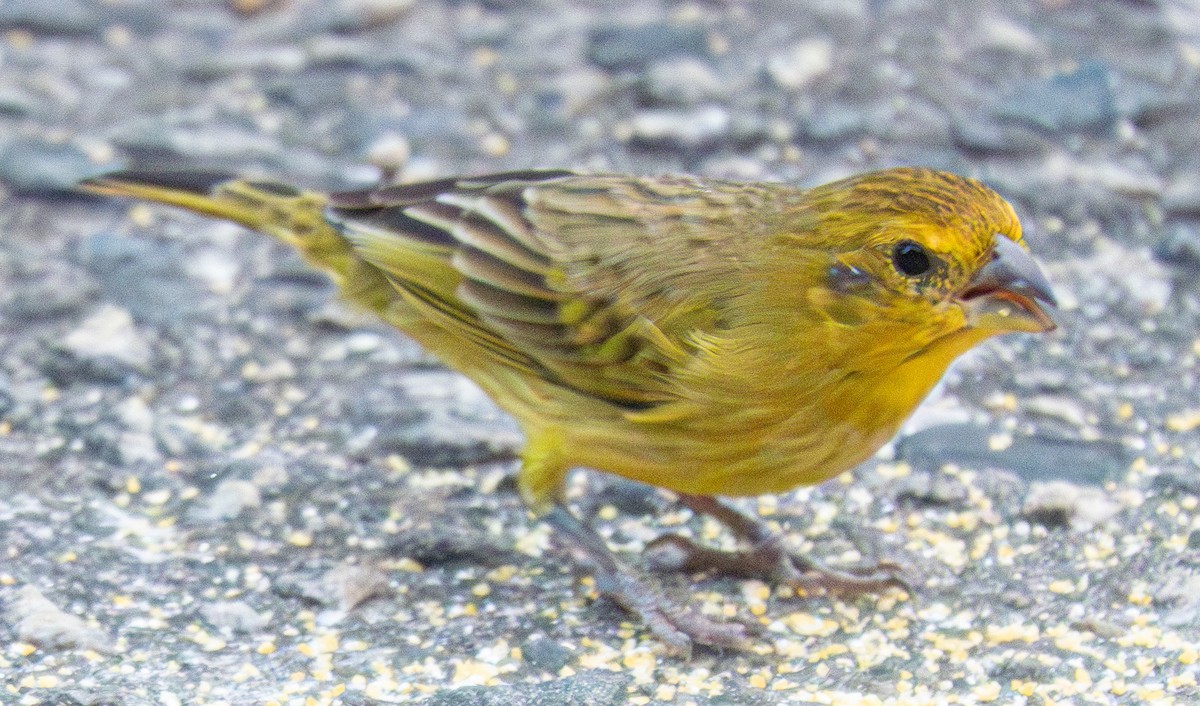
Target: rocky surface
218	486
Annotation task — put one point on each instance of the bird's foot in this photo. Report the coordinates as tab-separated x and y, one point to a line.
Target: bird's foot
677	626
770	561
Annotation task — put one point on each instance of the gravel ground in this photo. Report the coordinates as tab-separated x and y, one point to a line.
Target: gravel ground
219	486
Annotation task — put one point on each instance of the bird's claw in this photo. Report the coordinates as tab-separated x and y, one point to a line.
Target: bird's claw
770	561
678	627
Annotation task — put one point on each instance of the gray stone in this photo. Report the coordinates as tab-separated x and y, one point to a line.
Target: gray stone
801	63
341	589
1144	101
629	497
16	102
60	291
234	616
433	418
358	15
590	688
616	47
834	122
1060	407
1181	197
1103	278
106	347
1177	481
82	697
1059	503
1079	100
228	500
39	621
1032	458
1180	246
157	142
282	59
63	17
37	167
546	655
666	128
351	585
308	90
7	400
143	275
433	536
177	439
1180	589
982	135
681	81
1041	380
338	52
932	488
110	333
1106	629
446	441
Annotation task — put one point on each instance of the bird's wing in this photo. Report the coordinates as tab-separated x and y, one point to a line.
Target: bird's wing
603	284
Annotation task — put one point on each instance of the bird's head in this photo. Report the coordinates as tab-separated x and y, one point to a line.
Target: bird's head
923	261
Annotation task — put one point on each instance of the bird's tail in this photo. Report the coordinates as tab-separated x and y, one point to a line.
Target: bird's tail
289	214
259	205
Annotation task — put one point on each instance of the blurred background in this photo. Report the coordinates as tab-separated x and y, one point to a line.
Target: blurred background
217	485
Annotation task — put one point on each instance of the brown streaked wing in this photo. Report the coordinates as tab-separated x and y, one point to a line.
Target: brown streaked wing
516	290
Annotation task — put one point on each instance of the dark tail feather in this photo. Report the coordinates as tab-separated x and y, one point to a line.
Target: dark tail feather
193	182
254	204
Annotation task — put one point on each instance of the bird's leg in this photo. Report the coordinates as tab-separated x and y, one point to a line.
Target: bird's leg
675	625
766	558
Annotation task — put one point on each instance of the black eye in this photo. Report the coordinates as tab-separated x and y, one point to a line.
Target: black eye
910	259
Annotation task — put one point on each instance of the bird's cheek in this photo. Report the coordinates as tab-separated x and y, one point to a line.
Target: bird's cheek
952	316
950	327
841	308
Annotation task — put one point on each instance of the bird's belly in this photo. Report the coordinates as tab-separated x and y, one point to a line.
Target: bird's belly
734	449
735	461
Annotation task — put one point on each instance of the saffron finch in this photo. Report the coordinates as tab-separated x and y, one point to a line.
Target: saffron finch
708	337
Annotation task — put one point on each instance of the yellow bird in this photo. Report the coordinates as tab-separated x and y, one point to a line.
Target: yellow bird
708	337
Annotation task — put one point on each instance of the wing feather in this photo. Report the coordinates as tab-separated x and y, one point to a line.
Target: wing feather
595	283
488	300
481	267
482	236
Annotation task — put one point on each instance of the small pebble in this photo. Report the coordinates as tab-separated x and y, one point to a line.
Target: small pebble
228	500
39	621
110	332
235	616
1059	503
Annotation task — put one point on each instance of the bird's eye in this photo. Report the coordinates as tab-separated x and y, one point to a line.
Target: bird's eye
910	259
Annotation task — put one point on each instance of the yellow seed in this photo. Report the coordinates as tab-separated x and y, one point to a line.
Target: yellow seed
495	144
989	691
141	216
1185	421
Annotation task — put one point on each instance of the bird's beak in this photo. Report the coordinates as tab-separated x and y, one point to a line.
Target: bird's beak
1010	293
